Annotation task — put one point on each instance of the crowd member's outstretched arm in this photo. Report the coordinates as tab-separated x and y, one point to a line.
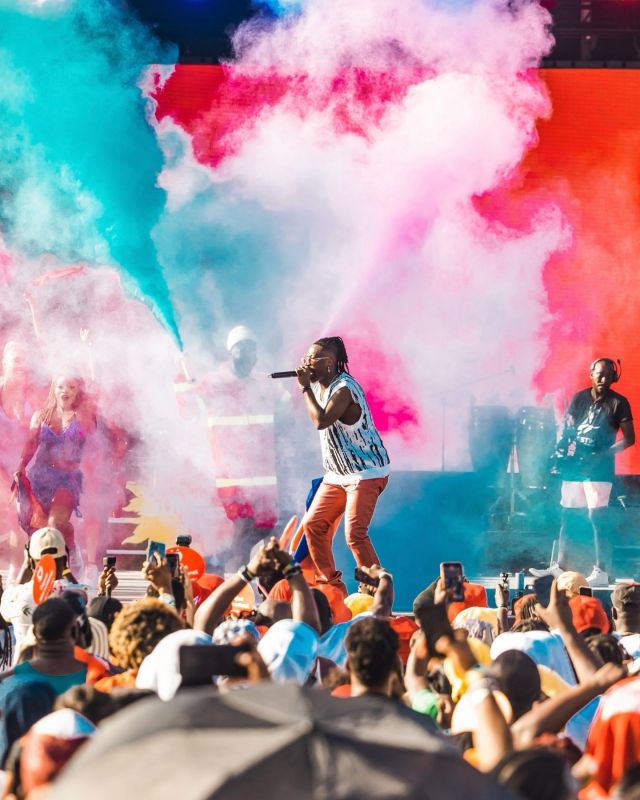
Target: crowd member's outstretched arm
30	446
157	573
415	674
558	617
492	738
502	605
190	607
210	613
552	715
25	573
303	606
383	598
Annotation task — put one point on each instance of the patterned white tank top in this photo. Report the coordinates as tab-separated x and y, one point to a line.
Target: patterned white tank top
350	452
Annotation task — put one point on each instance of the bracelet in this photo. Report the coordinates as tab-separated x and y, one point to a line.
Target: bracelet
386	574
292	570
66	571
293	573
306	389
245	573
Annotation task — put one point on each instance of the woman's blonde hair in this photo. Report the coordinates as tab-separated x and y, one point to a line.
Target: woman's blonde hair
50	404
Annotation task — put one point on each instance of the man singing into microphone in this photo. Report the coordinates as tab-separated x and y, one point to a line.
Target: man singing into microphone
355	460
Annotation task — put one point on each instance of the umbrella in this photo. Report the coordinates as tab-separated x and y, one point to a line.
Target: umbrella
271	741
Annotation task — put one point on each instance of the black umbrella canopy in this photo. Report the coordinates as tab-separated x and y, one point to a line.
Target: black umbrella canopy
267	741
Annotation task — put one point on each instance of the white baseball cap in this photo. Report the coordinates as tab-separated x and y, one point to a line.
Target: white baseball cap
240	334
46	539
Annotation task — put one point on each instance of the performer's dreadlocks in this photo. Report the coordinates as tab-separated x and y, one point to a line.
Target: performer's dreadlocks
6	650
336	344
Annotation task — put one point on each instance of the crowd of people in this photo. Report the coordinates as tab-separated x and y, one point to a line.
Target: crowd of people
510	698
273	678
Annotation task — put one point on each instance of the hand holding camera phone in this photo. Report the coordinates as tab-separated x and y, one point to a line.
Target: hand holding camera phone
173	564
542	588
503	591
362	577
184	540
107	581
434	623
155	547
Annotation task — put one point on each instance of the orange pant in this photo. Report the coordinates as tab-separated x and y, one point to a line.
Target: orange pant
357	501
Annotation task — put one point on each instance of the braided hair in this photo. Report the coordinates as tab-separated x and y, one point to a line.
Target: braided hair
336	344
6	650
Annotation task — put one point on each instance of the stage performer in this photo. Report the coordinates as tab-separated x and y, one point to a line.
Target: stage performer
586	462
355	460
240	405
57	436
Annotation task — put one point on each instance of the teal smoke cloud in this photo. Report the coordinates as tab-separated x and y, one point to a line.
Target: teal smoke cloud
78	158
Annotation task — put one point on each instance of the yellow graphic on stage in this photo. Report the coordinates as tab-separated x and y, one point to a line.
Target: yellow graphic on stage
151	522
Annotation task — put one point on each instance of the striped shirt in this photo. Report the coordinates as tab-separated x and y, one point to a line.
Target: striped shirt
350	452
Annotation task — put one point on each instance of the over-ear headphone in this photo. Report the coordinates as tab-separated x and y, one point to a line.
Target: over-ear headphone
616	367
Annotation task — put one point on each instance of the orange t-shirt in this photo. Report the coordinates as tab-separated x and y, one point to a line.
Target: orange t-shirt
96	669
204	586
405	627
124	679
340	612
474	596
614	737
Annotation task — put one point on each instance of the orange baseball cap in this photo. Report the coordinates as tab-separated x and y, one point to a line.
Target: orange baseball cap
588	612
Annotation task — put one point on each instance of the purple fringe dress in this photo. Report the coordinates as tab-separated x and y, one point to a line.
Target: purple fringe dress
45	478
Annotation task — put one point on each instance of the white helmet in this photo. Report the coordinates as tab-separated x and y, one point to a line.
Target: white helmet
240	334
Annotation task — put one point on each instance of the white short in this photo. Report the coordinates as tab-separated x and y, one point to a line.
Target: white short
585	494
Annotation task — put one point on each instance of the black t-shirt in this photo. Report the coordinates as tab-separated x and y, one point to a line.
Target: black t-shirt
595	426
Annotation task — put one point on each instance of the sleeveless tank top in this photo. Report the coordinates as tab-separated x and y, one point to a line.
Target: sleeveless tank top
351	451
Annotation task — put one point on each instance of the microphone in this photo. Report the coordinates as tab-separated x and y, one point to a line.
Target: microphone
288	374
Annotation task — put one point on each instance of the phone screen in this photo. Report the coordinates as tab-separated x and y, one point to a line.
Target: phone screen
156	547
452	574
434	623
542	589
200	663
173	562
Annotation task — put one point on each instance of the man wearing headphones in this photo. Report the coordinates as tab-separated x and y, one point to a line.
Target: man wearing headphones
588	449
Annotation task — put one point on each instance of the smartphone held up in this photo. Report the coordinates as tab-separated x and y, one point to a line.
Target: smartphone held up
201	663
452	575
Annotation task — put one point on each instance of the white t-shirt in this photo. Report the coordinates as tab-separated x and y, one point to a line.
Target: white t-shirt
17	606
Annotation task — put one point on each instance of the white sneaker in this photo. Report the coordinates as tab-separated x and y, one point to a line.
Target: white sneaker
597	577
553	569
